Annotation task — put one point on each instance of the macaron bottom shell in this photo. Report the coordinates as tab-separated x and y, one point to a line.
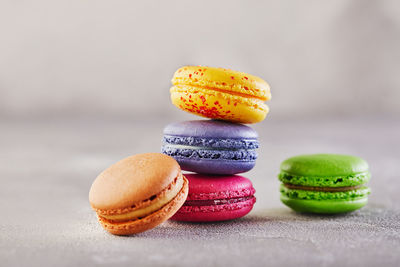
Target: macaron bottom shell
222	167
214	213
324	206
150	221
219	105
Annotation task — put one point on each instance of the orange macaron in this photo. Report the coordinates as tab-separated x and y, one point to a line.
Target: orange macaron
138	193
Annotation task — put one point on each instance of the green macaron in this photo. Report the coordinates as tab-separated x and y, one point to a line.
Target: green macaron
324	183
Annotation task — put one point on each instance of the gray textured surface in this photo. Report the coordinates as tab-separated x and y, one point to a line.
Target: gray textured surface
47	167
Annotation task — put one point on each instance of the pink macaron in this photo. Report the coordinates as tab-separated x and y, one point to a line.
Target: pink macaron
216	198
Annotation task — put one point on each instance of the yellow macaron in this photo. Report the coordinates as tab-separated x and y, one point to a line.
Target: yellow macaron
219	93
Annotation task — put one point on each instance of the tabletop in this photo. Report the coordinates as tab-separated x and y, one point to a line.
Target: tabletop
47	167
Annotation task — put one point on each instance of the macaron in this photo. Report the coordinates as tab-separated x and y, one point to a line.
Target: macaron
216	199
138	193
324	183
210	146
219	93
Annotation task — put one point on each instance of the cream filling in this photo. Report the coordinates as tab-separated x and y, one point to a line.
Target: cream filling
201	147
189	147
168	196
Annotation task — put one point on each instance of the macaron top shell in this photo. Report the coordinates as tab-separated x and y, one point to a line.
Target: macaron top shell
324	165
223	79
210	129
324	170
206	187
132	180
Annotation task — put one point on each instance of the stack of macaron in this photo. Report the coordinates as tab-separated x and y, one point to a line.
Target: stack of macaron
144	190
216	150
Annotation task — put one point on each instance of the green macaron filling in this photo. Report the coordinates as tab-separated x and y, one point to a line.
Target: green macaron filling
325	181
323	195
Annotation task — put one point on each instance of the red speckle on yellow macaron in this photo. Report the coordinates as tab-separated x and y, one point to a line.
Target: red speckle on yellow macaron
210	92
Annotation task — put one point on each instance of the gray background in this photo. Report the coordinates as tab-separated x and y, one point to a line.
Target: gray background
85	83
101	57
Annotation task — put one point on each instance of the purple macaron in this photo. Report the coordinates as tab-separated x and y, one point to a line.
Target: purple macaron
211	146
